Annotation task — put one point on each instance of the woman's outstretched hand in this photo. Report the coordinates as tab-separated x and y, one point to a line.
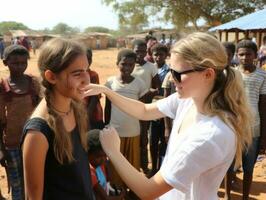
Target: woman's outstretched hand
110	141
93	89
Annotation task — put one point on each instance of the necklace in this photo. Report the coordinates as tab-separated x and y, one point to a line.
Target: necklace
62	112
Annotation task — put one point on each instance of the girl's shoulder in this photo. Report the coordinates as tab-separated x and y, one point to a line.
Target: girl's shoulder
38	125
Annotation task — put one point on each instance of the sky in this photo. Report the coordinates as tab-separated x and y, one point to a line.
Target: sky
40	14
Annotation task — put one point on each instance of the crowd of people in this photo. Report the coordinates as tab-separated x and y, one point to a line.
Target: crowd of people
204	102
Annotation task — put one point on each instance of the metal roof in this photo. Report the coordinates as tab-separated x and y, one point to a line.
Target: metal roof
253	21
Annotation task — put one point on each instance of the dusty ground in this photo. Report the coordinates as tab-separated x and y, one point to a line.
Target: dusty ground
104	64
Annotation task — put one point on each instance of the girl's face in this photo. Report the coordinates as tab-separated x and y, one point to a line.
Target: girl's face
71	81
126	66
246	56
192	82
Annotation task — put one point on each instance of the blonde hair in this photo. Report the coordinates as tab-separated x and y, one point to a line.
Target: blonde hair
56	55
227	99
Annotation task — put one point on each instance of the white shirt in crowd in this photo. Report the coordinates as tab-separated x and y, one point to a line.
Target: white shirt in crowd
198	158
255	85
146	72
125	125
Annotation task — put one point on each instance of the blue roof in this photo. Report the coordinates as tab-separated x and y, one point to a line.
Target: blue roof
256	20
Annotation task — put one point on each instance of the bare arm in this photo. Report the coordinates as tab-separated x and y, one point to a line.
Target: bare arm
132	107
34	152
145	188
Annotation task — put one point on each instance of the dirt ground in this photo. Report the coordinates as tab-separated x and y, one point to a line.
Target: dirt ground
104	64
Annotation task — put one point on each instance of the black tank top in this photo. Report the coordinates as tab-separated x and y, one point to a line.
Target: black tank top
68	181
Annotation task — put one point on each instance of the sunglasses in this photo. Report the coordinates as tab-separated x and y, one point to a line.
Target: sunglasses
177	75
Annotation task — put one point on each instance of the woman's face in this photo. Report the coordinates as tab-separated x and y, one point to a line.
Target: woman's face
71	81
192	83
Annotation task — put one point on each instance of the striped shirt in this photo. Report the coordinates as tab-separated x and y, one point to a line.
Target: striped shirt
255	85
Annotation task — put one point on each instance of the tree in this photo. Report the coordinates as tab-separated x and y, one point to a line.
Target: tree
11	25
99	29
136	13
64	29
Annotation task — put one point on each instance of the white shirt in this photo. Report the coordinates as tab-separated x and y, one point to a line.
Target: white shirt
197	159
146	72
125	125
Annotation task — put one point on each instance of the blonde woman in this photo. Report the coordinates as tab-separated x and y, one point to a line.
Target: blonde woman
211	124
54	145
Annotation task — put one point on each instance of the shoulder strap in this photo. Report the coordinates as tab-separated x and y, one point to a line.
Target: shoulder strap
40	125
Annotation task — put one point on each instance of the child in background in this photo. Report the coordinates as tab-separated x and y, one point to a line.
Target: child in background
230	50
149	74
168	89
127	127
255	86
97	159
19	95
150	43
94	108
54	143
230	177
157	139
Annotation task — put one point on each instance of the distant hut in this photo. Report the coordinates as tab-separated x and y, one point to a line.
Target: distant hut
94	40
39	37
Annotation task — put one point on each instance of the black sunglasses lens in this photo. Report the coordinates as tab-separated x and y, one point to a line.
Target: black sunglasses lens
176	75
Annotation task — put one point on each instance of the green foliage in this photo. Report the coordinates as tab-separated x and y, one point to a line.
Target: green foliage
99	29
136	13
11	25
64	29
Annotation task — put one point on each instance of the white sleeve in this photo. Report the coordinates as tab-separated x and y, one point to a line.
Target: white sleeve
195	157
168	106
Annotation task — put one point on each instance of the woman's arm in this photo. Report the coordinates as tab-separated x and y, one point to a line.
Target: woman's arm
132	107
145	188
34	152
